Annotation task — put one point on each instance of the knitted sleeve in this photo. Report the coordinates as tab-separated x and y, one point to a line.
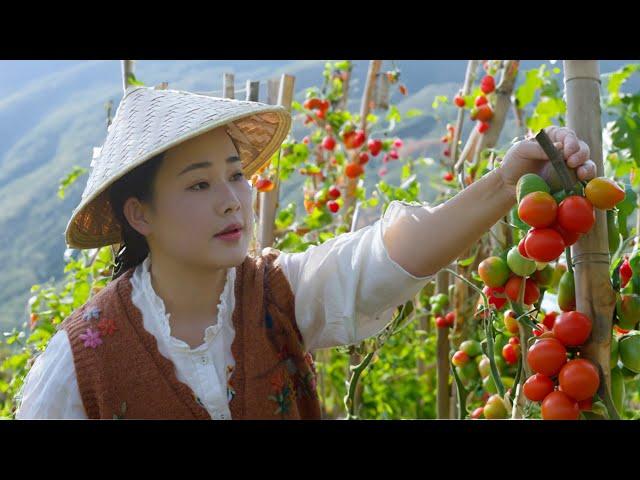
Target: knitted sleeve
50	390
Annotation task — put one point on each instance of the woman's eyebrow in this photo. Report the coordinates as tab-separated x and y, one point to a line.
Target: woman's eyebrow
206	164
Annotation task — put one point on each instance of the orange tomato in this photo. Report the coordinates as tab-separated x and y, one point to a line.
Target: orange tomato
604	193
538	209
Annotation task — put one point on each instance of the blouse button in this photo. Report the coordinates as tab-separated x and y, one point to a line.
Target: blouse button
204	360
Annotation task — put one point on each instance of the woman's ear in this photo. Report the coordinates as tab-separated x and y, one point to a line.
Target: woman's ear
136	214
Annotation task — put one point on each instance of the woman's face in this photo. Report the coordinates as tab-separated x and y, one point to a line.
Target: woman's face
199	191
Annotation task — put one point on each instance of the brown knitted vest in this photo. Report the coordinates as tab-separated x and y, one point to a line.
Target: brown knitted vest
122	374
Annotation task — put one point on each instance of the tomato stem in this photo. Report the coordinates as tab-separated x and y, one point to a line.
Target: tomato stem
567	254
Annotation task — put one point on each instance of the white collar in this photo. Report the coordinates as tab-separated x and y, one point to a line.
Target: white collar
142	280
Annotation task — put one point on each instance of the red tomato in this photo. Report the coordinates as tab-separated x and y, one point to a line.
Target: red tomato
572	328
625	273
531	291
537	387
521	248
576	214
510	354
441	322
579	379
374	145
333	206
353	170
559	406
514	341
494	300
459	101
544	244
363	158
334	192
586	404
477	413
450	318
540	330
538	209
549	319
547	356
569	237
460	358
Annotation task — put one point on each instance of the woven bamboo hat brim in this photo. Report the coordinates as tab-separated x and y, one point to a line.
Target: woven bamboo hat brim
150	121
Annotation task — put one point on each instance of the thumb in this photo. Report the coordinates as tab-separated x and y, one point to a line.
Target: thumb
531	149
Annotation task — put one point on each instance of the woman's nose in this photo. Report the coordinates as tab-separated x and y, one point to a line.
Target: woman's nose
227	201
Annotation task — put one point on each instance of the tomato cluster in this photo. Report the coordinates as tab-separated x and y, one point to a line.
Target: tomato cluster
556	363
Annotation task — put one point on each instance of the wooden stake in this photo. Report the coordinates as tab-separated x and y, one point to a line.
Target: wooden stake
253	91
128	69
228	87
594	293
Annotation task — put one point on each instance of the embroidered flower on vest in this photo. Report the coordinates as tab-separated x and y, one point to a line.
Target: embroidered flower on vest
92	313
282	392
91	338
107	327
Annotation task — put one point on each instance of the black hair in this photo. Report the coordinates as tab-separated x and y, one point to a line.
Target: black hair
137	183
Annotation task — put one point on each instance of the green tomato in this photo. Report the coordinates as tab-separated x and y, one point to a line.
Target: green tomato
489	385
617	388
498	343
528	183
468	372
519	265
495	408
471	347
614	351
544	277
613	232
629	350
567	292
484	366
628	310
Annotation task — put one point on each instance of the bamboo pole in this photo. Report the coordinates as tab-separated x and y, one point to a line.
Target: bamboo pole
469	78
269	200
594	293
253	91
128	68
228	88
365	107
442	354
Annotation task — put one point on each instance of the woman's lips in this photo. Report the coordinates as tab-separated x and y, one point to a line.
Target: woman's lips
230	236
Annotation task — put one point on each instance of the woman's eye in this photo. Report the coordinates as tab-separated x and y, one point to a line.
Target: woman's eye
238	176
198	184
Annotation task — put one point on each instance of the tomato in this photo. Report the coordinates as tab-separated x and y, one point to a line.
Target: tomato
549	319
520	265
537	387
544	277
451	318
484	113
264	185
585	405
363	158
544	244
579	379
572	328
628	310
559	406
510	354
576	214
354	139
603	193
471	348
541	328
538	209
313	103
495	296
493	271
613	348
567	292
495	408
547	356
514	341
460	358
522	250
483	127
328	143
529	183
375	146
484	366
353	170
477	413
510	322
333	206
441	322
617	388
334	192
625	273
487	84
629	351
481	100
459	101
568	237
531	291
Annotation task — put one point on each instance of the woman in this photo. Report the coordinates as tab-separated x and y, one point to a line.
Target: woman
191	327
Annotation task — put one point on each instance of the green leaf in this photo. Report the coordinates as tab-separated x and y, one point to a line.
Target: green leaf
70	179
414	112
286	216
438	100
132	80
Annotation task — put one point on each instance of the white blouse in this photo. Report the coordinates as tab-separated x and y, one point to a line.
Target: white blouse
346	290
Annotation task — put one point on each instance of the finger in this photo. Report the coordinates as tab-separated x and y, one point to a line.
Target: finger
571	145
580	157
587	171
557	134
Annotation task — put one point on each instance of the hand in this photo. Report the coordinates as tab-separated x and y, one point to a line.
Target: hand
528	157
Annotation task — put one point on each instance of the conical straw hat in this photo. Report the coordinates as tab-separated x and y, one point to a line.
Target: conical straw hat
150	121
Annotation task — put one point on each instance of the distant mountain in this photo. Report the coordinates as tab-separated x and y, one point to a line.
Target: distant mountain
52	114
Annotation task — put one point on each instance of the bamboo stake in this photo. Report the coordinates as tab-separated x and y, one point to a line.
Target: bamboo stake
442	354
352	183
128	69
228	87
469	78
253	91
269	200
594	293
